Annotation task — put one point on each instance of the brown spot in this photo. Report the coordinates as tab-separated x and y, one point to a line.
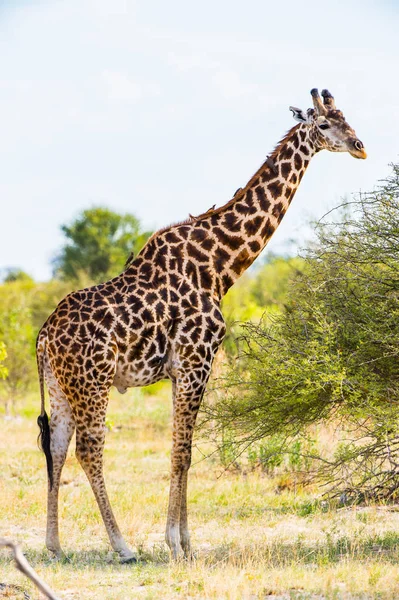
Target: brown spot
160	309
221	256
254	245
242	209
304	149
289	192
174	280
241	262
264	203
252	226
267	230
151	297
232	222
298	161
285	169
275	188
188	326
277	208
231	241
208	244
120	330
206	304
72	329
171	237
198	235
196	253
191	272
146	270
194	298
195	336
215	219
227	282
286	152
281	215
188	308
249	197
205	277
184	288
176	251
269	174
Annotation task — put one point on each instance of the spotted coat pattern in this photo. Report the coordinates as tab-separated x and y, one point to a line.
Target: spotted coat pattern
159	319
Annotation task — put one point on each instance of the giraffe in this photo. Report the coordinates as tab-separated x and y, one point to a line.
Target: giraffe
161	318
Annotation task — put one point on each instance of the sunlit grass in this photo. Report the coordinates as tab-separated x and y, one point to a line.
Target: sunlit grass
251	539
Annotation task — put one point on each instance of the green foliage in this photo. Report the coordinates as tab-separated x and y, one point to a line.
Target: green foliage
271	285
24	306
3	356
44	297
238	306
98	244
17	332
261	291
332	353
16	275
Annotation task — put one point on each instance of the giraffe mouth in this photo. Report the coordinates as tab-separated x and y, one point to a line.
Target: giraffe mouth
358	153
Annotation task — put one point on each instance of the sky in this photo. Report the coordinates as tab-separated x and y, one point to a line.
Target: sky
161	109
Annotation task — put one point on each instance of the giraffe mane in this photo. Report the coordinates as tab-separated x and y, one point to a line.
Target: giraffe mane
239	194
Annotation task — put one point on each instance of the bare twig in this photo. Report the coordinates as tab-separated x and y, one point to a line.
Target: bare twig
25	568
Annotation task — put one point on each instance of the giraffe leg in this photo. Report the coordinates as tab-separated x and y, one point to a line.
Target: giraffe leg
62	426
184	532
187	392
90	441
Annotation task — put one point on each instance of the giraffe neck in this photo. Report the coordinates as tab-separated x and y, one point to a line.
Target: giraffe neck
215	248
244	225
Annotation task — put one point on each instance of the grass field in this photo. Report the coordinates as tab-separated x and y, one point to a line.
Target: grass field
251	539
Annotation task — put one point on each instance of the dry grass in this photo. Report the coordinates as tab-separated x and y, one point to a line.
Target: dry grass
250	541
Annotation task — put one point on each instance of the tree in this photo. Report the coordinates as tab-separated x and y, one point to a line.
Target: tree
98	244
332	354
18	335
15	274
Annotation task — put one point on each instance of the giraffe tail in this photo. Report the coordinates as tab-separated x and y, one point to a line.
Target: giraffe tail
43	420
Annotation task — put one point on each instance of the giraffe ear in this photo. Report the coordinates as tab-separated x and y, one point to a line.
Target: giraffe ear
299	114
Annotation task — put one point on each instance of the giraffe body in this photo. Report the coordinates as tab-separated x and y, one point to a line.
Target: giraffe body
161	318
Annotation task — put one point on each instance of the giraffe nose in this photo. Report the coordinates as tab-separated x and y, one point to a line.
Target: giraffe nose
358	150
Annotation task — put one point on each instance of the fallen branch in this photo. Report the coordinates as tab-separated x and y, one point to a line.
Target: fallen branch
25	568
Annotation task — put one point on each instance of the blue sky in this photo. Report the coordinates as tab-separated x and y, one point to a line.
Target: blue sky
166	108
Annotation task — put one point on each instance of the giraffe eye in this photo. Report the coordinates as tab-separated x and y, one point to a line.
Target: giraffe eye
324	126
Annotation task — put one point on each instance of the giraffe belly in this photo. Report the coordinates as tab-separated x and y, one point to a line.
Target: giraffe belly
137	375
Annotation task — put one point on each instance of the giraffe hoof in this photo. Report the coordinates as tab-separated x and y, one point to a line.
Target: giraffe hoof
56	552
129	560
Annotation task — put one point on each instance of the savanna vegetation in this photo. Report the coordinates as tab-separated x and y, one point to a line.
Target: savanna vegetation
254	535
295	475
328	359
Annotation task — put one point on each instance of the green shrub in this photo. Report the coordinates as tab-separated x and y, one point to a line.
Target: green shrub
331	355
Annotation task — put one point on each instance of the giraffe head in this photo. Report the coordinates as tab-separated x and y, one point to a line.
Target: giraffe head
328	127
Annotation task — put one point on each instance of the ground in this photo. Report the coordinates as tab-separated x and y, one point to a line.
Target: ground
252	538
